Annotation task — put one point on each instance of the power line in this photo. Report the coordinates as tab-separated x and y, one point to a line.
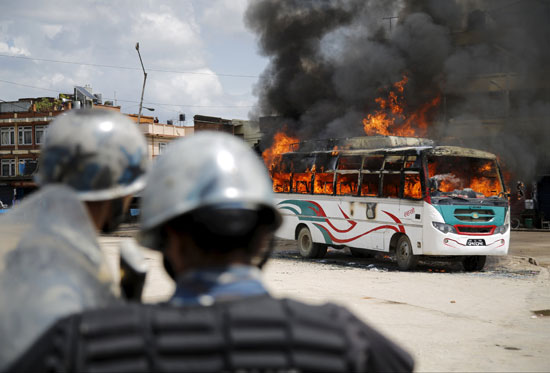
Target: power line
147	103
129	68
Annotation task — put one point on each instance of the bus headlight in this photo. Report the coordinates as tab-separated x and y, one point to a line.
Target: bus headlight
445	228
502	229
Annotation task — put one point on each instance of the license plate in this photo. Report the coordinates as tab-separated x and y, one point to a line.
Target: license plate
476	242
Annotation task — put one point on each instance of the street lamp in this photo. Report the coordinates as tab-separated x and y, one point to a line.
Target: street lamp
144	80
149	108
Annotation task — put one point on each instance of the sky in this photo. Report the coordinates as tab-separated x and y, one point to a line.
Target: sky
209	60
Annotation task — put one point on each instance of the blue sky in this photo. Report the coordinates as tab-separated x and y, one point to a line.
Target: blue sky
204	37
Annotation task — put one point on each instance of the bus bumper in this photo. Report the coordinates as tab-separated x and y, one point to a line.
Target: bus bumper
458	244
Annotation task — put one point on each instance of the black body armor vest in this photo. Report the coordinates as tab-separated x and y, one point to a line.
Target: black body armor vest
251	334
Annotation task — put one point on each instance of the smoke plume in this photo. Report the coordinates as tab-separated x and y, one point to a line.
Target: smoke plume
485	59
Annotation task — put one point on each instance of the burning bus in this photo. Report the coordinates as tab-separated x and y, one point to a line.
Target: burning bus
405	196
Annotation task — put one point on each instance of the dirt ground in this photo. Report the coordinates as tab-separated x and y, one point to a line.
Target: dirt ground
449	320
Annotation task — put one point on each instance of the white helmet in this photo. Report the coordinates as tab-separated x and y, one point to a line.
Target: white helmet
101	154
205	171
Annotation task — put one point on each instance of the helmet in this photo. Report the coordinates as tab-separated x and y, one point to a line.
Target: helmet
100	153
210	170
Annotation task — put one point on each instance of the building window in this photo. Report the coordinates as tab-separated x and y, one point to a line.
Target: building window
25	135
7	136
27	167
40	133
162	147
7	167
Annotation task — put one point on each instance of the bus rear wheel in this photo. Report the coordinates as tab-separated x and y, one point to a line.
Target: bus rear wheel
474	263
308	248
406	260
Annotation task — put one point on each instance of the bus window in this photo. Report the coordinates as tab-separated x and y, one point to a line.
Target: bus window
301	183
373	162
370	184
393	163
390	185
412	161
302	164
412	187
325	162
346	184
281	182
324	173
324	183
349	162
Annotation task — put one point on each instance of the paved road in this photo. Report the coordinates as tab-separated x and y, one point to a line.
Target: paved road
534	244
448	319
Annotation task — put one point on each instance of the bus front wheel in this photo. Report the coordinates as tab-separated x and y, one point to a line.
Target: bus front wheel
474	263
308	248
406	260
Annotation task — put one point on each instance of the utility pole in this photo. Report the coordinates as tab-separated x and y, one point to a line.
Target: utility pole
144	80
390	19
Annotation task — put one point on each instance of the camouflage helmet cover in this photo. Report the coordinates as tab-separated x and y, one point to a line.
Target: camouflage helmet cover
209	169
101	154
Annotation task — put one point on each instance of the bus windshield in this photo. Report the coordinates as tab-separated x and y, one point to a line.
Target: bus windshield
464	177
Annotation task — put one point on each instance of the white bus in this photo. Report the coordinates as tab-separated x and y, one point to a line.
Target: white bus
403	196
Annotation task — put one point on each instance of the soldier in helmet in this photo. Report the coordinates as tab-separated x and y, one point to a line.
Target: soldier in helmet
51	264
208	207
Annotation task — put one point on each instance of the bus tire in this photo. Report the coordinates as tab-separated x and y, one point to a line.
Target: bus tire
406	260
308	248
474	263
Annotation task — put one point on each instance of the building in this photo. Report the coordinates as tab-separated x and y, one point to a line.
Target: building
498	98
24	126
206	123
243	129
159	135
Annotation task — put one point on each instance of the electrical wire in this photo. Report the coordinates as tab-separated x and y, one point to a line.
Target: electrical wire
134	101
130	68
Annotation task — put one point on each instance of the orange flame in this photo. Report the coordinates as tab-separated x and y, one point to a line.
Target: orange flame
390	118
483	183
412	187
281	144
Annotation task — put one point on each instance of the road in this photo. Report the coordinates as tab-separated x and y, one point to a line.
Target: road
448	319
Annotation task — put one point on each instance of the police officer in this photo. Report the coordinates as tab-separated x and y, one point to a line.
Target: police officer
51	264
208	207
102	156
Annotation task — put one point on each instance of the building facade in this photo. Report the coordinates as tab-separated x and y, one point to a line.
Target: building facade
24	126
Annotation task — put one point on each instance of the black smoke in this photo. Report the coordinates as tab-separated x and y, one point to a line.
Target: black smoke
487	60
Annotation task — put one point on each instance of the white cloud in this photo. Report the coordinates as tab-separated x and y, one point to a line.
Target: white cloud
12	50
189	89
52	30
226	15
172	36
164	27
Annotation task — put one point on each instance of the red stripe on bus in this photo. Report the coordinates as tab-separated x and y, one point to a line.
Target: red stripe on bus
337	240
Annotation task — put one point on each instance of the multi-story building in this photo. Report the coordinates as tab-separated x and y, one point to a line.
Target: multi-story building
499	97
24	126
243	129
159	135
